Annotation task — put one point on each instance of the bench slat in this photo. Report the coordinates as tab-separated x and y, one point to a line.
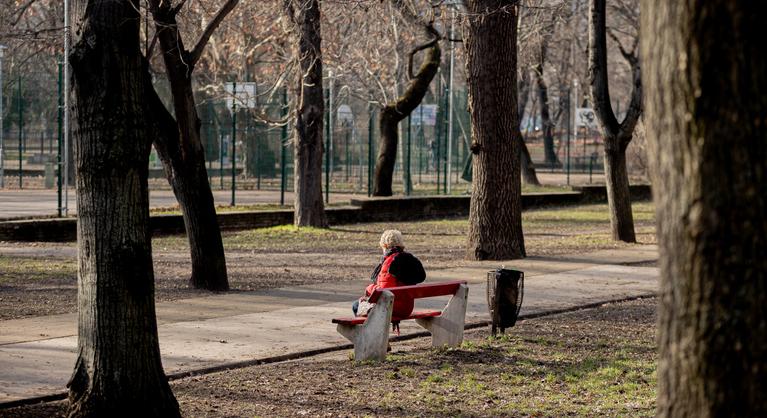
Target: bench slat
420	291
357	320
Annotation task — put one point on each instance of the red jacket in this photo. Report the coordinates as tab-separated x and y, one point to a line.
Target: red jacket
403	306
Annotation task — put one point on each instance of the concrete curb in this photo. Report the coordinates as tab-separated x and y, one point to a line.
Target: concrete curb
310	353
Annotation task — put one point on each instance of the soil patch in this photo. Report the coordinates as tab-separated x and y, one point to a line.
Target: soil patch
595	362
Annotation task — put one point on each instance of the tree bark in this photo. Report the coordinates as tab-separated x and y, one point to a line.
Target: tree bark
529	175
183	157
547	124
393	113
118	371
495	218
528	168
706	74
619	194
616	135
309	208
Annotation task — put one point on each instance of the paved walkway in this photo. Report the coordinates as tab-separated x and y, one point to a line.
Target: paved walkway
37	354
16	203
26	203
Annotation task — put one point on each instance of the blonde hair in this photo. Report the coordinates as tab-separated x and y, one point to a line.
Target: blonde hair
392	238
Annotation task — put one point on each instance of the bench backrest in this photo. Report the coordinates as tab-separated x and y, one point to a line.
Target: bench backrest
420	291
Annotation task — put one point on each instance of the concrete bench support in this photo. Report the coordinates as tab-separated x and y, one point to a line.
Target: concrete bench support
371	338
447	329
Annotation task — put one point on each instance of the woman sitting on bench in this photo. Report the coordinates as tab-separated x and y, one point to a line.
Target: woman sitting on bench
397	268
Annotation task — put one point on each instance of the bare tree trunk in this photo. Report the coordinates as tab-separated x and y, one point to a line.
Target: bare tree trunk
616	135
310	108
707	139
118	371
619	194
495	218
183	156
393	113
528	168
547	124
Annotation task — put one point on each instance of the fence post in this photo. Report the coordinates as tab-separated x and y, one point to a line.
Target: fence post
21	129
209	139
421	143
221	157
446	155
283	144
332	123
2	125
408	178
371	119
60	134
327	149
234	140
346	149
569	132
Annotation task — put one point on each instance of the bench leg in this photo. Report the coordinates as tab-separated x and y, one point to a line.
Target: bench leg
447	329
371	338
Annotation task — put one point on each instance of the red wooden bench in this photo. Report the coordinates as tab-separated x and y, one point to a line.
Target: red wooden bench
370	334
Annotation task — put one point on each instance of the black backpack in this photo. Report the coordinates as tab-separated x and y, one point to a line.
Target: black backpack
408	269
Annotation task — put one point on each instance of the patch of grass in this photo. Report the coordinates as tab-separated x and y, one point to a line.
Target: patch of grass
586	214
435	378
547	231
563	369
407	372
279	237
174	210
282	236
13	269
545	188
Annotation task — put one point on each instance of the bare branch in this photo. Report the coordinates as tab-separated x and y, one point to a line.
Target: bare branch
415	51
629	55
196	53
150	48
20	12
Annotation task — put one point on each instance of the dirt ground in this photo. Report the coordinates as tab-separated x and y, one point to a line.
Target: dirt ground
40	278
594	362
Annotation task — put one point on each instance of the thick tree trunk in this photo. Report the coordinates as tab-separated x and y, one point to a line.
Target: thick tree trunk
393	113
118	371
190	185
707	136
309	208
183	157
619	194
616	135
495	219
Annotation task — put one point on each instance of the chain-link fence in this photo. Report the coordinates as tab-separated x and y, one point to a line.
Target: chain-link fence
249	148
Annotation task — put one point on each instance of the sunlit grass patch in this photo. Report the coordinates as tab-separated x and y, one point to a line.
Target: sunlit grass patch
547	231
562	368
28	268
595	213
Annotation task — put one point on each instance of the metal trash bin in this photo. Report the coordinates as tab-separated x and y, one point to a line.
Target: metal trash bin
505	291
